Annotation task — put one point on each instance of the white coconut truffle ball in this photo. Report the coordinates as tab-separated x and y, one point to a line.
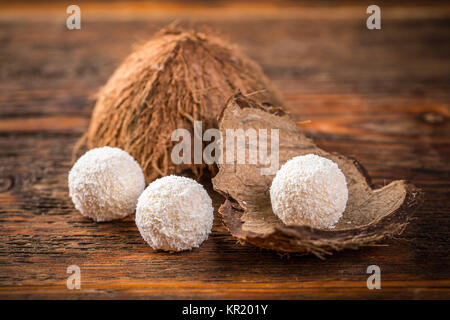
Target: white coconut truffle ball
309	190
174	214
105	184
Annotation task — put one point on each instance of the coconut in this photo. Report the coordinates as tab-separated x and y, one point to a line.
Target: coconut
174	79
370	216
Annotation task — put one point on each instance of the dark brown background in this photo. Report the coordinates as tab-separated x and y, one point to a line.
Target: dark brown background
381	96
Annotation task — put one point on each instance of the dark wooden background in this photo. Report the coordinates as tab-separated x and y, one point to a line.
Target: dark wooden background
381	96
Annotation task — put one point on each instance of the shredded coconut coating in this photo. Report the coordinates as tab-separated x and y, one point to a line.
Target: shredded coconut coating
174	214
105	184
309	190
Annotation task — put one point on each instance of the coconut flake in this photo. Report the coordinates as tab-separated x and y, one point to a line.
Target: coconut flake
174	214
105	183
309	190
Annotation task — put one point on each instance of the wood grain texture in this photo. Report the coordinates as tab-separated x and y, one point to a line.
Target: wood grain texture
379	96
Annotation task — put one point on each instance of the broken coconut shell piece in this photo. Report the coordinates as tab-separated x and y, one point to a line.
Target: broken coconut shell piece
168	83
370	216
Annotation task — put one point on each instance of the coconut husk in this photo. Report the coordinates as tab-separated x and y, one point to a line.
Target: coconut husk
169	82
370	216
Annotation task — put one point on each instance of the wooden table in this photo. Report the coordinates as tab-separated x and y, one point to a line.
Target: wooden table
381	96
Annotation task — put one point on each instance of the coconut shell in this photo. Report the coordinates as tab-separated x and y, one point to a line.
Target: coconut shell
370	216
169	82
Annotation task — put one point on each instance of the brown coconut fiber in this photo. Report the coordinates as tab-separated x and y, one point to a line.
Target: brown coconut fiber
370	216
171	81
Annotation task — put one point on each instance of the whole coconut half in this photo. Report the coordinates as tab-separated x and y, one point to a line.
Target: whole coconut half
174	79
370	215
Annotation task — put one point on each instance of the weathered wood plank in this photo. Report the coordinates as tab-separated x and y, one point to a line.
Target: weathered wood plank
382	97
